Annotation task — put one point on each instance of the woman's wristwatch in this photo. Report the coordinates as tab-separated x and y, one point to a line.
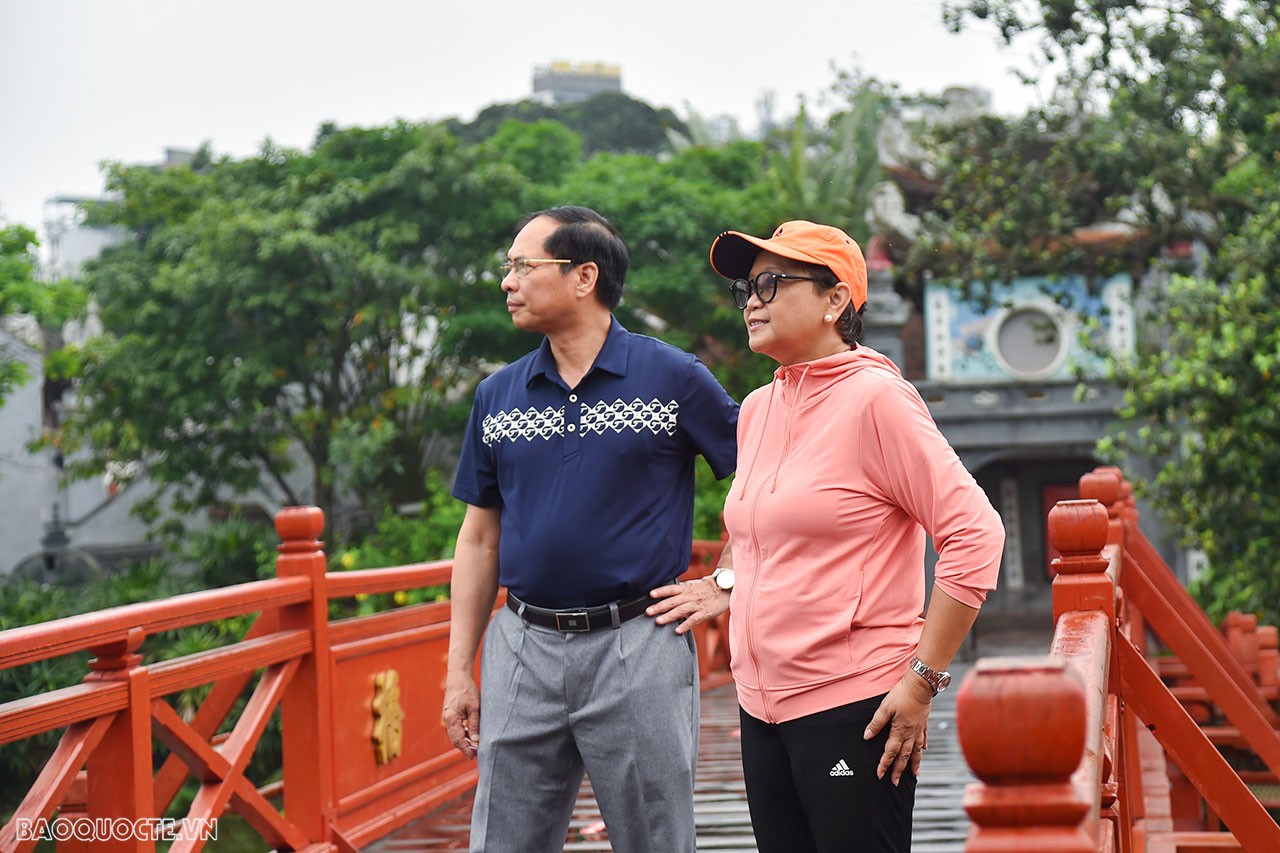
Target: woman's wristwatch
937	681
722	577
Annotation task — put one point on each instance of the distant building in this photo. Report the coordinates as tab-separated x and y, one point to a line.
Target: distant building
54	529
1006	373
566	82
68	242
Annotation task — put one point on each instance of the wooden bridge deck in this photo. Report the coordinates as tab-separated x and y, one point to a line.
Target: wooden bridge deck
720	794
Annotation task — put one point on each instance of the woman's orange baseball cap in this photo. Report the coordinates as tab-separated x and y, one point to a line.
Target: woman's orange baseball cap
733	253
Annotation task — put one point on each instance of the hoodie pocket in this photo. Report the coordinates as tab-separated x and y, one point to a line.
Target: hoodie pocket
802	631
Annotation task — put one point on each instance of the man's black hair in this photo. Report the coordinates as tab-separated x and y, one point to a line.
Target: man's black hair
585	235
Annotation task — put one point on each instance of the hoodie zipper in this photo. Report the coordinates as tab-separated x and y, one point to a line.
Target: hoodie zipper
755	539
751	600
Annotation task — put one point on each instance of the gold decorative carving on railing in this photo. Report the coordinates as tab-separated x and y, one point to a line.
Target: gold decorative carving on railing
388	716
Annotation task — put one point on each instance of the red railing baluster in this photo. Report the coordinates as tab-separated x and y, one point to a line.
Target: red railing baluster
1022	729
119	770
306	708
1150	778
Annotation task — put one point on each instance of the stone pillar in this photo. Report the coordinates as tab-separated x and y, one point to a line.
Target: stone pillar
886	314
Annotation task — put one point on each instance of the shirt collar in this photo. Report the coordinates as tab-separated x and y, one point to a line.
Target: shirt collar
612	357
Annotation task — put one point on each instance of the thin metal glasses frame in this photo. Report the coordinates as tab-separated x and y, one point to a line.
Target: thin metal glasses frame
522	266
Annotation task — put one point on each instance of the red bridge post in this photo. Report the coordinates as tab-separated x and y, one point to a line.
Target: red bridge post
306	710
1021	723
119	770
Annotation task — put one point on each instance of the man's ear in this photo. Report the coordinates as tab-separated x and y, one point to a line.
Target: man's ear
587	274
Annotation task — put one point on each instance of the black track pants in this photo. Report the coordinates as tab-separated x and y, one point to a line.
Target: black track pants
812	786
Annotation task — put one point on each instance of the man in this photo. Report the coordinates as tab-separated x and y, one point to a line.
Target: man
577	467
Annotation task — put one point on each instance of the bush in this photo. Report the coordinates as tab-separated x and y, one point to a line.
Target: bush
234	551
27	602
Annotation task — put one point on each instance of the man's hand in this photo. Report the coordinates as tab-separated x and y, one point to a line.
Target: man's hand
461	714
907	705
694	603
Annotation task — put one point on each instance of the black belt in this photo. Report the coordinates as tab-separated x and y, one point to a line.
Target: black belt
582	618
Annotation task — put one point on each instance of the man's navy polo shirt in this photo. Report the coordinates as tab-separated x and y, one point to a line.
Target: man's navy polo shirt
596	482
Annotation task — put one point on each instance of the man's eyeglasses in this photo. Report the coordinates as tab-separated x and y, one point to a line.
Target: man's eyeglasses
522	266
765	285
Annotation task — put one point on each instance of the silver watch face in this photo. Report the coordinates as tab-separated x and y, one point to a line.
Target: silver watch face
937	681
724	579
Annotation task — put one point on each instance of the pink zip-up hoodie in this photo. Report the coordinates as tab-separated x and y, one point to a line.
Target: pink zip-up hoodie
841	471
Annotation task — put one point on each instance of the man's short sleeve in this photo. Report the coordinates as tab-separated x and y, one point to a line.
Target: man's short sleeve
476	481
710	419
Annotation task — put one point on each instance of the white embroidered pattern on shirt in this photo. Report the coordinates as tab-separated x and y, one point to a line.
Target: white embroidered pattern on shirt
655	416
599	418
519	424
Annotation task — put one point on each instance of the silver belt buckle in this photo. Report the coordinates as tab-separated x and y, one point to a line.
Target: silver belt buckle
572	620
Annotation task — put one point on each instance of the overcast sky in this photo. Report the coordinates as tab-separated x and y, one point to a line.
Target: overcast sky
83	81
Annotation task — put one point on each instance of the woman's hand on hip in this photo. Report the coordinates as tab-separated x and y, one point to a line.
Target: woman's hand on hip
906	711
689	603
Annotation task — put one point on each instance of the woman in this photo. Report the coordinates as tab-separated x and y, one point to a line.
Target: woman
841	472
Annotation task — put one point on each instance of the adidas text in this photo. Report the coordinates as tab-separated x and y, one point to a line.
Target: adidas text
842	769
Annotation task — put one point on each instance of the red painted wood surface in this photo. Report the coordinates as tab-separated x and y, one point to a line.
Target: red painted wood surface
1123	763
1093	747
319	676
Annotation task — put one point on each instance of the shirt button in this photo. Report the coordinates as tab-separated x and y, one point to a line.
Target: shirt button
573	398
571	427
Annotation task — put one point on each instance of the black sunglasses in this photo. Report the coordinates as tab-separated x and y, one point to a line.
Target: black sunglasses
765	285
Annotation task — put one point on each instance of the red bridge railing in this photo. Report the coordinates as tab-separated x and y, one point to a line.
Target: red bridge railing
1094	746
359	700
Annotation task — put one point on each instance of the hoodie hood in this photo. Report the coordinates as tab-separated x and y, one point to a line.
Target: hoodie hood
804	383
796	387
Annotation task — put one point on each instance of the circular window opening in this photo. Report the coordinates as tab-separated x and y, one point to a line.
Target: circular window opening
1030	342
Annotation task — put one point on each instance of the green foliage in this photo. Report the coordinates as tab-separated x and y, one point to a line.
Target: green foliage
1062	190
25	602
311	322
17	263
827	177
708	502
610	121
364	458
615	122
233	551
274	304
1206	404
50	303
545	151
429	534
1168	119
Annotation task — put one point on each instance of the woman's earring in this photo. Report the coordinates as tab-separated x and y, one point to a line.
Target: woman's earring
826	318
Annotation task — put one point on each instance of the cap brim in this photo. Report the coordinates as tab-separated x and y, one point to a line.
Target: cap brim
733	253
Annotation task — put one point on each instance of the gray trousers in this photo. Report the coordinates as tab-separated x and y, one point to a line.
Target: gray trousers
621	704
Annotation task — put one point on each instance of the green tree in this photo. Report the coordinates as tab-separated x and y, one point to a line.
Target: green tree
283	310
1171	126
52	304
826	176
17	290
610	121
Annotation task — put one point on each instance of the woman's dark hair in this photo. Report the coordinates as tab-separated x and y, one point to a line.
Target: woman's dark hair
583	236
849	324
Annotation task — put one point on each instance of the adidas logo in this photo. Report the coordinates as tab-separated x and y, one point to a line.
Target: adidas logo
842	769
